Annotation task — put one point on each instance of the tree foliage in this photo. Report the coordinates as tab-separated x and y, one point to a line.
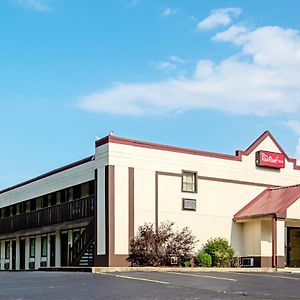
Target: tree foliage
220	251
203	259
153	247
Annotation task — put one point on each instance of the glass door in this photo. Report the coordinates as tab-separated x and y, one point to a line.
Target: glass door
293	247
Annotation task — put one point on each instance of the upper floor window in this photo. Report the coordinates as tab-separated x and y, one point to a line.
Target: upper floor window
189	181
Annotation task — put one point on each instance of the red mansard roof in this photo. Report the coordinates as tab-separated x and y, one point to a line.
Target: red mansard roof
271	202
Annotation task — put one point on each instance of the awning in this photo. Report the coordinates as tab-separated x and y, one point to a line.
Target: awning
271	202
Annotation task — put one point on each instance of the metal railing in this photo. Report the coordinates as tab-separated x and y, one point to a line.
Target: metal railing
68	211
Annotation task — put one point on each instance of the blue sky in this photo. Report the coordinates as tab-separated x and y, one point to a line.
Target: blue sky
209	75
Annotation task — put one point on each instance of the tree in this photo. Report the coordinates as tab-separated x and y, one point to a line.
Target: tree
155	247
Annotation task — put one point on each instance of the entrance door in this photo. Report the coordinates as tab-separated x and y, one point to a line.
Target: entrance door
22	254
64	249
293	247
52	250
13	255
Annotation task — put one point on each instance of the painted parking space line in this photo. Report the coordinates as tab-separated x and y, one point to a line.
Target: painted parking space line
135	278
205	276
266	275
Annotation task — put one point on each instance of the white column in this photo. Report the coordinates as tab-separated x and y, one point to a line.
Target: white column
57	248
2	254
27	245
48	250
17	253
37	251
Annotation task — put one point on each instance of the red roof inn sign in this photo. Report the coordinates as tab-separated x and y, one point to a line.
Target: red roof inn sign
270	159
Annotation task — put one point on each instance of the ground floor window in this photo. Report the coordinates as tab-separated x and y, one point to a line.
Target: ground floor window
44	246
7	250
32	248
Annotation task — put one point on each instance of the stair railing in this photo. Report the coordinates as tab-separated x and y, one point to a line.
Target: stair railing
81	244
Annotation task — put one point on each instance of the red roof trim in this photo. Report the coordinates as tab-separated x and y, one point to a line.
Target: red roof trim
237	157
61	169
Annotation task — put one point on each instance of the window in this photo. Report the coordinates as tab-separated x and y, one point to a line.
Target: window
45	201
76	192
22	207
76	235
7	250
32	248
189	204
44	244
52	199
7	212
32	204
14	209
189	182
91	188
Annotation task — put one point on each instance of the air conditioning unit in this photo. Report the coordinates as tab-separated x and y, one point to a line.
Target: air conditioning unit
247	262
31	265
43	264
6	266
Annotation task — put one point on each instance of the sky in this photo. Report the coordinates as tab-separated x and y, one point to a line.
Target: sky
209	75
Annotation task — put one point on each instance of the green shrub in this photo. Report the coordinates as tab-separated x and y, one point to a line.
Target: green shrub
220	251
203	259
186	263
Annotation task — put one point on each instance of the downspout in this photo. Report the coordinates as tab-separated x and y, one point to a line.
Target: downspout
274	242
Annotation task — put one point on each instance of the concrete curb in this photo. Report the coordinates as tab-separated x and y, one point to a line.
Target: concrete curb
178	269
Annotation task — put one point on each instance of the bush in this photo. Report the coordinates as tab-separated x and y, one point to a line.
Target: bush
203	260
155	247
186	263
220	251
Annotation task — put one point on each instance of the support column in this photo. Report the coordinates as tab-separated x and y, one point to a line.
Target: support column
57	249
274	242
17	253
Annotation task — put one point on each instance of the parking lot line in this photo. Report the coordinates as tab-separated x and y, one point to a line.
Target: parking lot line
205	276
136	278
265	275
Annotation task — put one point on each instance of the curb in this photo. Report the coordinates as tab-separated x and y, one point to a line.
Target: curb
187	270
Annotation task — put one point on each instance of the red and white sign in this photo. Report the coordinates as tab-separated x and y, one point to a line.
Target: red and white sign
270	159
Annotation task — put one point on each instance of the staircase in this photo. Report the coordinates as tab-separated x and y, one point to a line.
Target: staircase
87	259
82	252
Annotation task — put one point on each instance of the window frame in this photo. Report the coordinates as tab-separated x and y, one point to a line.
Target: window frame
195	174
44	238
189	209
32	255
7	249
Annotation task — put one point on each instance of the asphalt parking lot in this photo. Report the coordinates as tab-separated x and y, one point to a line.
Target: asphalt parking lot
148	285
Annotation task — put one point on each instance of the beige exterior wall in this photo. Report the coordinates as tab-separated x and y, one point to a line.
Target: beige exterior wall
266	238
217	201
251	238
293	212
280	230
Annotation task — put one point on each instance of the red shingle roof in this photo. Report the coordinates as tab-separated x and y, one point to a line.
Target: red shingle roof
271	202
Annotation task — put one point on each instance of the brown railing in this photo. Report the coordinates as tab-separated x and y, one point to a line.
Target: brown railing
82	243
59	213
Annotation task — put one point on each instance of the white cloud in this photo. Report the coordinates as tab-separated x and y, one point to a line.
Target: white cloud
177	59
169	12
294	125
38	5
219	17
164	65
262	78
